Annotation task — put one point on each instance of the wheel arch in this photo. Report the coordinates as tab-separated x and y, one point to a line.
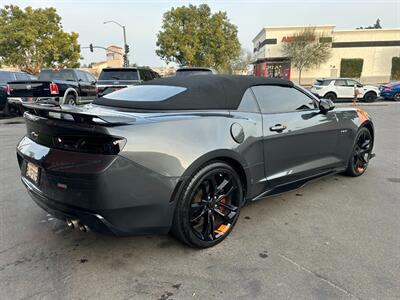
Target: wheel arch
368	124
70	91
330	92
372	91
227	156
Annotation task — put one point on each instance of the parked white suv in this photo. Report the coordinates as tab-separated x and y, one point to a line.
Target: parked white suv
335	88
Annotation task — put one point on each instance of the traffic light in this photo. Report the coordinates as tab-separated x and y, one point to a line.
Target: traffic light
91	47
126	48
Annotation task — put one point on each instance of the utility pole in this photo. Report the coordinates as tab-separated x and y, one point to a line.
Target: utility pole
126	46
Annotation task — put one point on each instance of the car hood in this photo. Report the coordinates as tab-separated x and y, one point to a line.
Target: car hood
370	87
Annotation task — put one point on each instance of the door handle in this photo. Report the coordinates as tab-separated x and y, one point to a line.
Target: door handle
278	128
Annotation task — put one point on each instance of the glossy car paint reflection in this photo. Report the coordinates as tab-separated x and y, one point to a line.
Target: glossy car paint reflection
133	192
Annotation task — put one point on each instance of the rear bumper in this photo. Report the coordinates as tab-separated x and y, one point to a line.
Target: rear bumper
116	197
61	211
19	100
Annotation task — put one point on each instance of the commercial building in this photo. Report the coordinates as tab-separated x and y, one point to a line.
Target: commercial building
114	59
376	48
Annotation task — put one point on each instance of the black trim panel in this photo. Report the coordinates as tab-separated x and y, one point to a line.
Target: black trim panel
265	42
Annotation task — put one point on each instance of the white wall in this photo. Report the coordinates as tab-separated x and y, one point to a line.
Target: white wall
377	60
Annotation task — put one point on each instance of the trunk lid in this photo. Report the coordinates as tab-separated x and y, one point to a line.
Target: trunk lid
30	88
78	129
87	114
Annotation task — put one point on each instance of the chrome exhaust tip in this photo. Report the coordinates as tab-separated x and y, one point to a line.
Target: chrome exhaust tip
72	223
83	227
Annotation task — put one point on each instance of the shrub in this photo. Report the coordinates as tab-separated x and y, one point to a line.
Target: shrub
351	67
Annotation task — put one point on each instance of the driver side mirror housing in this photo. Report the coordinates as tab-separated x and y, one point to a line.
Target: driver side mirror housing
326	105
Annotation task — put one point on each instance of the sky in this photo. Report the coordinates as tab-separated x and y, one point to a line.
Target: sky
143	19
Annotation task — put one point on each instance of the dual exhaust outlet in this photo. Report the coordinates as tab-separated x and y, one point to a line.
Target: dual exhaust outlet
76	224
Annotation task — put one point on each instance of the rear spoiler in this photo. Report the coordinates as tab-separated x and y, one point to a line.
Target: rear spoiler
87	115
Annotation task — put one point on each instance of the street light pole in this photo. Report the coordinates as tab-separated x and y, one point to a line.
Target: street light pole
125	56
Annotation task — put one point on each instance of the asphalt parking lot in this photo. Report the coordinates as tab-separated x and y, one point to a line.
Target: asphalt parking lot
337	238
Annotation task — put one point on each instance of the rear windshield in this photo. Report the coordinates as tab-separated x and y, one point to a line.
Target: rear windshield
140	93
119	75
322	82
49	75
5	76
184	72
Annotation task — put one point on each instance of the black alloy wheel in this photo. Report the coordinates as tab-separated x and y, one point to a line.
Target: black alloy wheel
210	206
396	97
361	153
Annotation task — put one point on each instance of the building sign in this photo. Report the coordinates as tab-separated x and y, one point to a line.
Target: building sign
287	39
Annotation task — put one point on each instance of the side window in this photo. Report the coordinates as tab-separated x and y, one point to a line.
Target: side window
326	82
82	76
21	76
5	76
278	99
340	82
248	103
147	75
142	76
90	77
352	83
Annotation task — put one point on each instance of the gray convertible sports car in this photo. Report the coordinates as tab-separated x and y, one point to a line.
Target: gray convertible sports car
184	154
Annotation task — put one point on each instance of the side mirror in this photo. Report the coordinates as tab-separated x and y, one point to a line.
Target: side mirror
326	105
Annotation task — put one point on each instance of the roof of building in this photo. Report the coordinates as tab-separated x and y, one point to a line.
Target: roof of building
200	92
113	46
291	28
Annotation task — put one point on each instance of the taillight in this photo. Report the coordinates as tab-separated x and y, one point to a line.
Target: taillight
90	144
8	90
97	90
388	88
54	88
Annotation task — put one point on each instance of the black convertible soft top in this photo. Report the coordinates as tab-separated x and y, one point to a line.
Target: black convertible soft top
198	92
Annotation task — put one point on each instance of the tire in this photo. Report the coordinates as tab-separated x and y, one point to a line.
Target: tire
360	154
208	206
370	97
396	97
6	109
20	110
70	100
331	96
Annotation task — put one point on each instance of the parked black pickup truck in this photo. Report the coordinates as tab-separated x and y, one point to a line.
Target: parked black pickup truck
65	86
6	76
112	79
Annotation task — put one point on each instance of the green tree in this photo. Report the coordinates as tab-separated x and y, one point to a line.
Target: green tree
307	49
193	36
32	39
377	25
240	64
